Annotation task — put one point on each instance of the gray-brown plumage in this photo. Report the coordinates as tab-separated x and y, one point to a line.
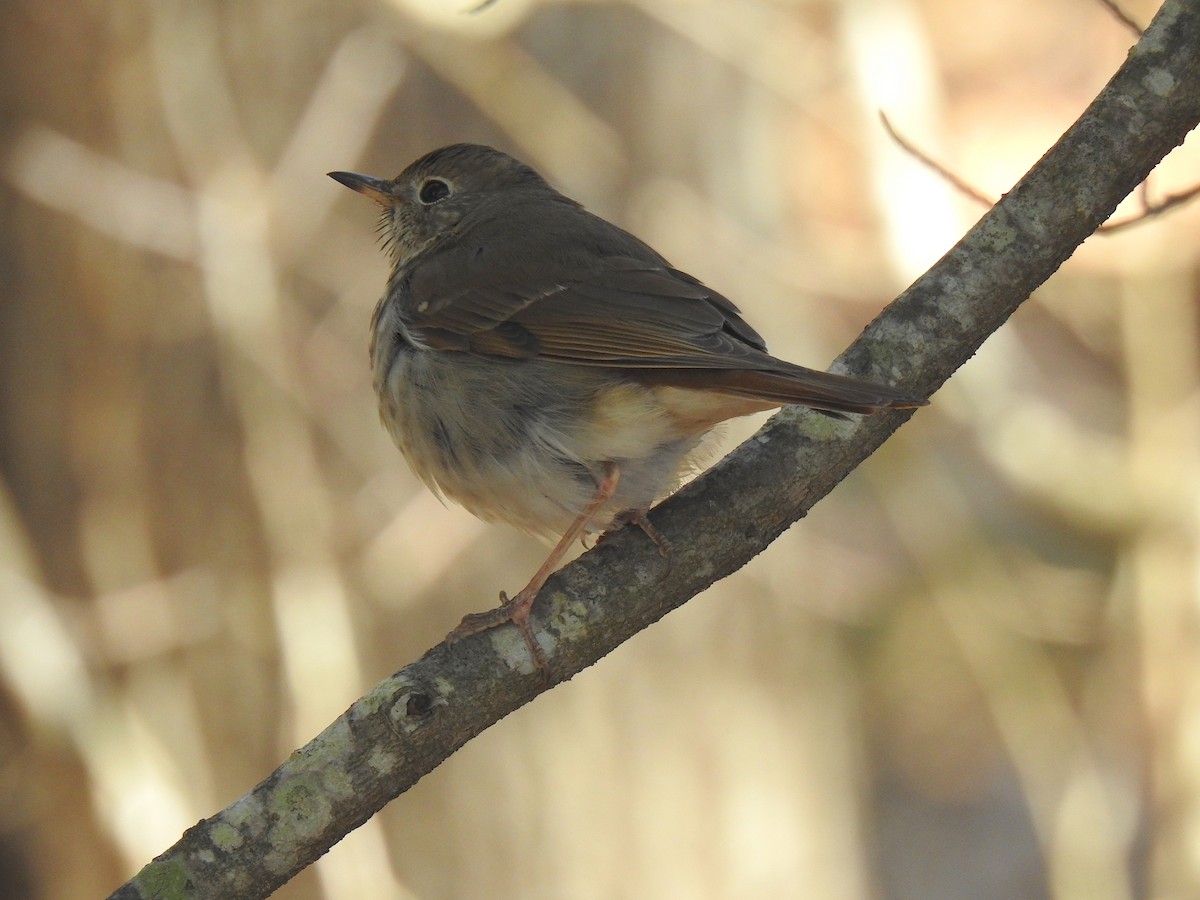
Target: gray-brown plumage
542	366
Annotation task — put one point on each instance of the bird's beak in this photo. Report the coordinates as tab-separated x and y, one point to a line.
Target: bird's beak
376	188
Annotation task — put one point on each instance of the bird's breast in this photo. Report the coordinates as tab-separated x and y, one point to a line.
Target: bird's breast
526	442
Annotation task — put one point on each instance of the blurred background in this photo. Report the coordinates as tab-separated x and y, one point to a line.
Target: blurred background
972	671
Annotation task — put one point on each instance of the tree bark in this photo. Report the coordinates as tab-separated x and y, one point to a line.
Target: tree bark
410	723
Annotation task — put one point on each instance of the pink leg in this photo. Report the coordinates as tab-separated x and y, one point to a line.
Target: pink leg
639	518
518	608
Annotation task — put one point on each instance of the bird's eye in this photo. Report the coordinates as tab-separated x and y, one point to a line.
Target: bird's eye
433	190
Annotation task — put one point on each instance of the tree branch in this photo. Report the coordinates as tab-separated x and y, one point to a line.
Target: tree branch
411	722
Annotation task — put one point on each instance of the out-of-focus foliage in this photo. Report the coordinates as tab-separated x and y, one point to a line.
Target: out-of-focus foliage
971	672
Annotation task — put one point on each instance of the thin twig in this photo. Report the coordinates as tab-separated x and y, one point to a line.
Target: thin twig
1149	209
922	157
1121	16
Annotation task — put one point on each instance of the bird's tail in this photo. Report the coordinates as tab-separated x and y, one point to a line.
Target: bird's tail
794	385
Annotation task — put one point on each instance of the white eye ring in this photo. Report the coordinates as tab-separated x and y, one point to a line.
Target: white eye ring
434	190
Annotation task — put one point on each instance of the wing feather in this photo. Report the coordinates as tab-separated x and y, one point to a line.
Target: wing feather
526	289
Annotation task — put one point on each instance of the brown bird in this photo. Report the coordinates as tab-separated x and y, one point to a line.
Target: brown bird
545	368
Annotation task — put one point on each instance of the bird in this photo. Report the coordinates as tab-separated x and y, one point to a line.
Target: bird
543	367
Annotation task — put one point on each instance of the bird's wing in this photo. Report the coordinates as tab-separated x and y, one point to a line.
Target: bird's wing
541	289
566	302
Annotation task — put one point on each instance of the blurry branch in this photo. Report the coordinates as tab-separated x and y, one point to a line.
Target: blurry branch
410	723
112	198
1150	209
1121	16
929	162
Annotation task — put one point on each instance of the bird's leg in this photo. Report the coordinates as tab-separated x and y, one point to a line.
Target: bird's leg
640	518
518	608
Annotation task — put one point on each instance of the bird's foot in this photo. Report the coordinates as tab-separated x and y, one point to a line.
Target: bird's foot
515	611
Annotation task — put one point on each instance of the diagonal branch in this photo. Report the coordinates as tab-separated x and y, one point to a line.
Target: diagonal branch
411	722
